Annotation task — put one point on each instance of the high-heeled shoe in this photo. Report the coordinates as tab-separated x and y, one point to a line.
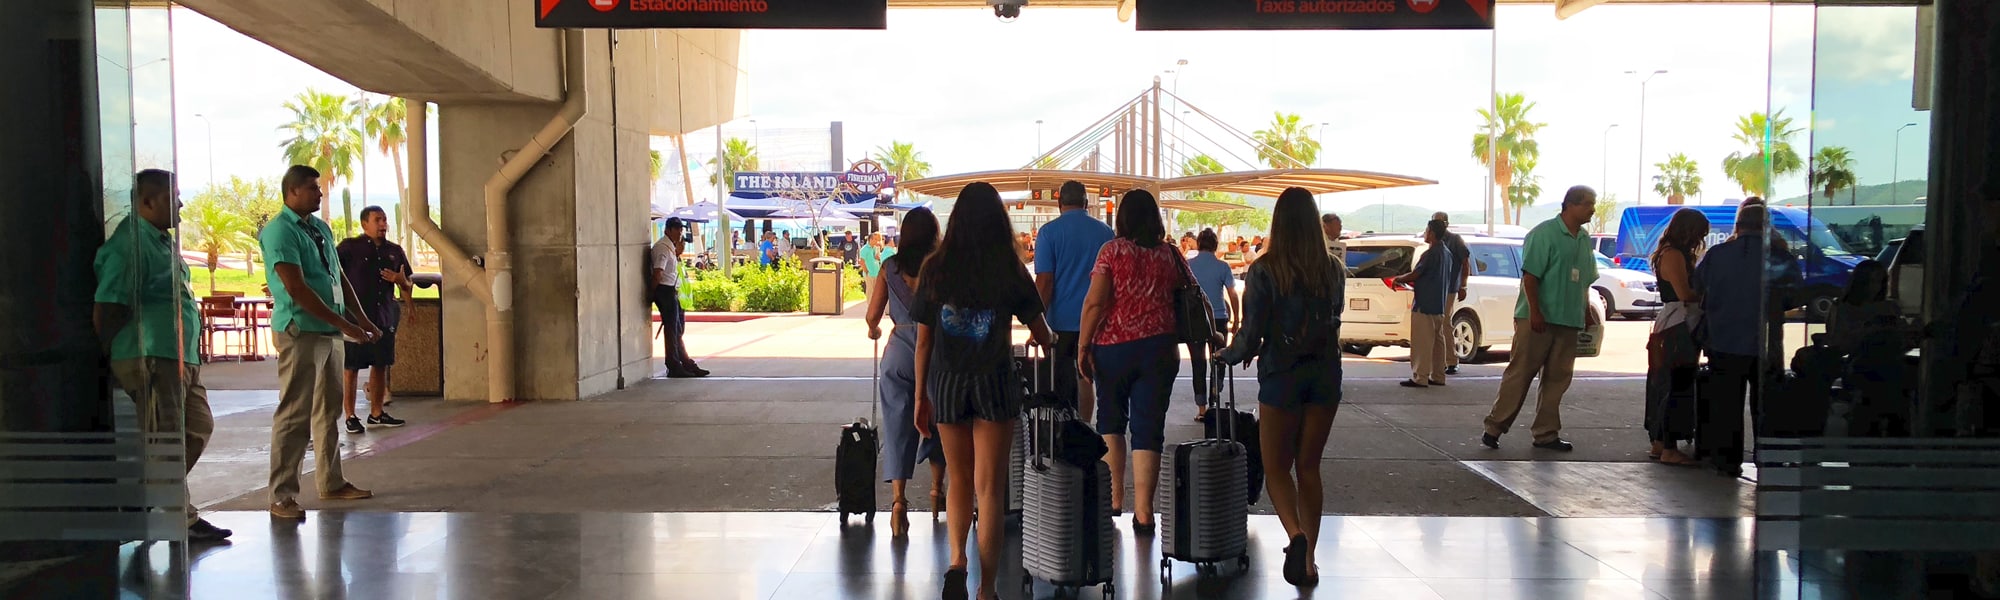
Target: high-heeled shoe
899	519
1295	561
937	505
954	584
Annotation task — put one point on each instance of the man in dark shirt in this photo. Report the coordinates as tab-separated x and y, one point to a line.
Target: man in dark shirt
1463	256
377	268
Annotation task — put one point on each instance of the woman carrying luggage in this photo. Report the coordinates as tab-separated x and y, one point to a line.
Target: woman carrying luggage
969	288
1130	351
1291	325
1672	357
893	291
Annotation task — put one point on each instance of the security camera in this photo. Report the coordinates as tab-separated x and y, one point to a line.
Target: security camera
1007	10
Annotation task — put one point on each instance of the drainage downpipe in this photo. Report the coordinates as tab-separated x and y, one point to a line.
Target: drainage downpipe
499	273
418	198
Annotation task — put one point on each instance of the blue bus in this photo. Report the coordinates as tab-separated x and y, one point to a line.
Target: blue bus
1823	259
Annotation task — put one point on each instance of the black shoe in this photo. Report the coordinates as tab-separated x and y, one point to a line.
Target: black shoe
204	531
680	374
1295	561
1144	529
1489	440
1556	445
954	584
1411	384
384	420
354	425
698	371
1451	370
1435	383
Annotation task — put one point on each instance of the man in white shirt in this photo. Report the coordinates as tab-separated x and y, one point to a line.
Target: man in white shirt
1329	224
666	259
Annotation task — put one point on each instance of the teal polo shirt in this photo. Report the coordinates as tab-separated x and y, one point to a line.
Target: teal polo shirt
1566	265
138	267
305	241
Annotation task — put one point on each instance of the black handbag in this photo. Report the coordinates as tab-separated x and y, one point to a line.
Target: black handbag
1194	320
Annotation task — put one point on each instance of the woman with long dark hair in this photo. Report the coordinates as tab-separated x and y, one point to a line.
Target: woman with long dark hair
1130	352
968	289
1672	358
1291	325
893	291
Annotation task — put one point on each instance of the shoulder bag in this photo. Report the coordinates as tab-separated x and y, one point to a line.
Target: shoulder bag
1194	320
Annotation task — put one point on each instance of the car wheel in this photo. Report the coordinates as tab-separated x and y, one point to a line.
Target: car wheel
1465	337
1821	305
1610	307
1357	349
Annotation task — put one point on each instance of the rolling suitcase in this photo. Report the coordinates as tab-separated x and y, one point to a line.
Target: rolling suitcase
1239	426
854	459
1202	488
1036	376
1066	529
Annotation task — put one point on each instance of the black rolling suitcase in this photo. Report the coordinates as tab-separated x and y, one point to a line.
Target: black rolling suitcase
1206	519
1241	426
854	459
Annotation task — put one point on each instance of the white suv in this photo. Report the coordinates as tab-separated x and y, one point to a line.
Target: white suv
1379	315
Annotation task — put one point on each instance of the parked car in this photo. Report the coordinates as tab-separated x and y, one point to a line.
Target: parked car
1625	292
1905	260
1607	245
1378	313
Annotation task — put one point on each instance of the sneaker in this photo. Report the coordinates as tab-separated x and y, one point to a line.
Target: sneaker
1412	384
695	369
354	425
384	420
347	492
1451	370
680	374
204	531
1557	445
288	509
1489	440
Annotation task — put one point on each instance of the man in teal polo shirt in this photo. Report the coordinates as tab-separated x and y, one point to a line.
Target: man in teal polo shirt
146	316
1558	264
312	309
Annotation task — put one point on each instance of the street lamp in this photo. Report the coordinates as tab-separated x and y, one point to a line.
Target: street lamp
756	136
209	127
1896	171
1639	184
1038	144
1604	159
1319	135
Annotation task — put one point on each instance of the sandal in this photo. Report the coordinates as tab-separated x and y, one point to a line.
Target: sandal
1677	459
1295	561
899	519
937	502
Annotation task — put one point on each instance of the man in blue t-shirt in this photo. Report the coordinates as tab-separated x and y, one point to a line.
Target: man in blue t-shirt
1065	251
1218	282
767	250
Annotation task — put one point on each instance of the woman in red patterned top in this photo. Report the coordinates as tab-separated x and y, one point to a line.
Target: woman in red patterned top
1131	353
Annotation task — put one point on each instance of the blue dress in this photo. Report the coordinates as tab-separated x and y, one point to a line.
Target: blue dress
902	446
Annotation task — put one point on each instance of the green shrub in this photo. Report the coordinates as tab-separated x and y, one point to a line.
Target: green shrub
851	282
714	294
780	289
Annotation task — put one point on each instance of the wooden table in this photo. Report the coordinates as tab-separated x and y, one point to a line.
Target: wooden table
248	308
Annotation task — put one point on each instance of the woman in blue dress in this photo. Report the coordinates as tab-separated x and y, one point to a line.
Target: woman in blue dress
902	445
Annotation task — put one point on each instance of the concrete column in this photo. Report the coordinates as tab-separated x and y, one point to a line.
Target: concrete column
1965	142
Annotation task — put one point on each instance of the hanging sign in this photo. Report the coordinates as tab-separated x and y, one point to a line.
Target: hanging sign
712	14
772	182
1196	15
868	177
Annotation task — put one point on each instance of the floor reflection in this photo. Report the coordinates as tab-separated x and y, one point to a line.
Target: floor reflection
761	556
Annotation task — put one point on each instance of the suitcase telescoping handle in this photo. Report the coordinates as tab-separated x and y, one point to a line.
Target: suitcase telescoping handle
875	378
1039	444
1227	372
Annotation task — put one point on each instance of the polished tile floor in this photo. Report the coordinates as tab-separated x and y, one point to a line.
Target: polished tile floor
726	556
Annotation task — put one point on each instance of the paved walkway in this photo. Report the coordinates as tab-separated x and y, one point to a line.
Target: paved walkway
759	436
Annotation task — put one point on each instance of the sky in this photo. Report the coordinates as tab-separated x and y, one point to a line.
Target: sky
967	90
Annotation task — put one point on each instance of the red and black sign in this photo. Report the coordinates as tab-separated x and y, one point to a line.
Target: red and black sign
712	14
1196	15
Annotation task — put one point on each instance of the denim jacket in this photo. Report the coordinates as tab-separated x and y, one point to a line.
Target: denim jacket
1268	317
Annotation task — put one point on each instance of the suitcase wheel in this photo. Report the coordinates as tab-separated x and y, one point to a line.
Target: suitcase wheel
1166	571
870	518
1243	562
1027	586
1109	591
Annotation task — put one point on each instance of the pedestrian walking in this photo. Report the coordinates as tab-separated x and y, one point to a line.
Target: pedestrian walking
1218	282
1331	226
312	308
1672	357
1733	308
666	275
1558	264
967	291
378	269
1291	326
1432	280
1459	285
147	318
893	292
1130	352
1066	254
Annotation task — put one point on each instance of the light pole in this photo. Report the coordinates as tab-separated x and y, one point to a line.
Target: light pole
1038	144
1896	171
209	127
1319	135
1639	177
756	136
1604	159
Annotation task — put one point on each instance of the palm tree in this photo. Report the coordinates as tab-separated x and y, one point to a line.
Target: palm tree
1607	207
384	125
654	164
1526	188
214	230
1285	144
904	162
1506	139
325	135
1751	168
1679	178
737	155
1832	171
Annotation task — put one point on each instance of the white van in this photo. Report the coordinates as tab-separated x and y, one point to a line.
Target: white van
1379	315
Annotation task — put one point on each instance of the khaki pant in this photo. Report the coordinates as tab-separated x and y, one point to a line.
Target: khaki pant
1450	308
169	402
1430	343
309	382
1551	354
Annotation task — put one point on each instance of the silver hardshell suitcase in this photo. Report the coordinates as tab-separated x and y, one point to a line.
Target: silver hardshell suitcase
1203	497
1066	529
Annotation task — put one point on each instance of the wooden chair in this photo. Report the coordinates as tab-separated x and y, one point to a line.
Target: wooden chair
219	316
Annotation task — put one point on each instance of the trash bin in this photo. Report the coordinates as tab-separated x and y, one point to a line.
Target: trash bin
823	286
